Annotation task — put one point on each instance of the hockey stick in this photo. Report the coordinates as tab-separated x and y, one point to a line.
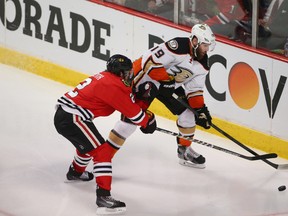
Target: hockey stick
258	157
276	166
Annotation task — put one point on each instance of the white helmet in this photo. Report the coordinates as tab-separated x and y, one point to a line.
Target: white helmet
204	34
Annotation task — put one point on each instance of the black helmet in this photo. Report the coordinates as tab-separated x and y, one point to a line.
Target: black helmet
118	63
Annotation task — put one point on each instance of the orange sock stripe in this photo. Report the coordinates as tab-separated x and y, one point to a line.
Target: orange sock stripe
196	101
183	142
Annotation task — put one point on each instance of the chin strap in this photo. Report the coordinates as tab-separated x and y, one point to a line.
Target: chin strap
195	49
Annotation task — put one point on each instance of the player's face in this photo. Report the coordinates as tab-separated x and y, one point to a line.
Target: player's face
128	77
202	49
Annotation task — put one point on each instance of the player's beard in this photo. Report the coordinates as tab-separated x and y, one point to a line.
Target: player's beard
199	54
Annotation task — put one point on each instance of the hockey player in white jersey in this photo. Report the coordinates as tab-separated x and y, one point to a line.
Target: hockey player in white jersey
179	66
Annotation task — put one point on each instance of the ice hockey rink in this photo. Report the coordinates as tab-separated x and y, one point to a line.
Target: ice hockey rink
146	174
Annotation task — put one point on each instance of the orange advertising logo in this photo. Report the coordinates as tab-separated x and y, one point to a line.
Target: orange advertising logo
244	86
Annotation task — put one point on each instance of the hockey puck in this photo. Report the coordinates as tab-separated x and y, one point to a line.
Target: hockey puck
282	188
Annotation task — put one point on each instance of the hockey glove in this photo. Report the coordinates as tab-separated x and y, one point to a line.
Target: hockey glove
147	92
167	87
151	124
204	119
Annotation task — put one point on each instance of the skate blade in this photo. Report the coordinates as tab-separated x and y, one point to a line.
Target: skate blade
72	181
75	181
190	164
110	211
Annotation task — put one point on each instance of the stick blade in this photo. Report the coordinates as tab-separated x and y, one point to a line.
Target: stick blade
282	167
265	156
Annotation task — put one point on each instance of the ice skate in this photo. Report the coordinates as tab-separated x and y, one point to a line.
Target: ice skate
188	157
107	205
73	175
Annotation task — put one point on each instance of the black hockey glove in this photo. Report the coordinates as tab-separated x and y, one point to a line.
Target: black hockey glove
151	124
167	88
147	92
204	119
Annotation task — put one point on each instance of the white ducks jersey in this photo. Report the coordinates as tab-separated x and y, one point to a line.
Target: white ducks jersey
172	57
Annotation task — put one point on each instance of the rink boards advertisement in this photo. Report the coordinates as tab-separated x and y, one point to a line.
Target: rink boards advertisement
244	88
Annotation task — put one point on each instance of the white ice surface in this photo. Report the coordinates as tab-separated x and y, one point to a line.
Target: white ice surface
146	174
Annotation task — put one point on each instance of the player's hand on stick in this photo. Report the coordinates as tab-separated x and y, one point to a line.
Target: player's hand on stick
204	118
167	87
151	124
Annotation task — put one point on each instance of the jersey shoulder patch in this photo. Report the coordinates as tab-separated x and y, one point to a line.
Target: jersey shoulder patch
178	45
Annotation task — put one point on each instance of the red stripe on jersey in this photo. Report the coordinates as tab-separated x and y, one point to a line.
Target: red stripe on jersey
86	130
